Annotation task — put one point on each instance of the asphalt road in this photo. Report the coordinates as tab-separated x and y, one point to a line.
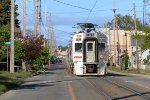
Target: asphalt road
57	84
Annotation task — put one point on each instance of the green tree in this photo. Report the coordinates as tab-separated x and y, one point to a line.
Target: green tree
125	22
5	13
125	60
43	58
19	51
145	38
4	37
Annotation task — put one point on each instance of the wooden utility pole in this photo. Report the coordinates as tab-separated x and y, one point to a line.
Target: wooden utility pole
118	45
35	18
45	17
40	18
114	10
24	28
136	39
110	48
50	34
12	36
144	12
24	18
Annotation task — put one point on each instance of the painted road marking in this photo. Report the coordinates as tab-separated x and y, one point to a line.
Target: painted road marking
71	91
70	88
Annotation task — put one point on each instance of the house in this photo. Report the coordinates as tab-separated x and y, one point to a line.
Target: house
142	55
127	43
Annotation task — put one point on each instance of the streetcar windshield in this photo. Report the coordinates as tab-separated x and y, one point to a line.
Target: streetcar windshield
78	47
101	46
90	47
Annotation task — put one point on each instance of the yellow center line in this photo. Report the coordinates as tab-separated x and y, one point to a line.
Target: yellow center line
71	91
70	88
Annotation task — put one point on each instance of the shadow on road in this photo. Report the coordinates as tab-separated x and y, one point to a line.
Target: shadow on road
115	74
34	86
133	95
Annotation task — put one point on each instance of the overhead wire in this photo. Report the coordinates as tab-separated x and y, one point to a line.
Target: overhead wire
86	11
70	5
91	11
55	28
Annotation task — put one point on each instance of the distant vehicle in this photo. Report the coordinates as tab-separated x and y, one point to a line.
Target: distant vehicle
87	53
3	67
16	68
60	60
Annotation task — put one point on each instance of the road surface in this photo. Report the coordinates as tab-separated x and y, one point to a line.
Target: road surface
57	84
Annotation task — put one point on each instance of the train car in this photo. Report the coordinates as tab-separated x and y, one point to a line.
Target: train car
87	52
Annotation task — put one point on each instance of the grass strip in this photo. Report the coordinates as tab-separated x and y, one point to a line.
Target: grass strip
10	81
131	71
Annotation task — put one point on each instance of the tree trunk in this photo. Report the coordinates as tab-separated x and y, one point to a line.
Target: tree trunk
24	66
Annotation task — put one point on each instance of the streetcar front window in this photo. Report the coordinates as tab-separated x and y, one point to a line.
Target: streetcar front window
78	47
90	46
101	47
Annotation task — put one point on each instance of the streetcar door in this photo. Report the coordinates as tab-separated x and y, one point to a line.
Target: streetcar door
90	51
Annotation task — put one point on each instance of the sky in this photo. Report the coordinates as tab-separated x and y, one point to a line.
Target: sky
64	17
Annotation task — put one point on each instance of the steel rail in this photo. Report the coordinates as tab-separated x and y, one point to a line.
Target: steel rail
98	90
127	88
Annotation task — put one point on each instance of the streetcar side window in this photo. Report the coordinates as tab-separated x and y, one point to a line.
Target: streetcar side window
90	47
78	47
101	47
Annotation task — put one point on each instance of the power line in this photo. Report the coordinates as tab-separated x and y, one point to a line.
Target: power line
55	28
91	10
71	5
130	11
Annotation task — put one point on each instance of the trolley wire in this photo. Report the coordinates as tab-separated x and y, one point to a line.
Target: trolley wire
71	5
55	28
91	10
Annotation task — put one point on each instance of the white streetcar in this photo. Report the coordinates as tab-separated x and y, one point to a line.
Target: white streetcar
87	52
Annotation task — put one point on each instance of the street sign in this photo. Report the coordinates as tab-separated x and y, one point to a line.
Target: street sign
9	42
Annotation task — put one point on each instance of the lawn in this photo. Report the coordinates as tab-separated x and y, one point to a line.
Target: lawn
134	71
11	80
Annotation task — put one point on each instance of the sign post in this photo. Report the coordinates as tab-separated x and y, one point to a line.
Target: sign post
8	43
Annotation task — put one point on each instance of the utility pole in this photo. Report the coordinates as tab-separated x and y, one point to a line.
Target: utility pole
50	34
24	28
110	48
143	12
40	18
24	18
49	47
12	37
45	18
136	39
126	41
118	44
35	18
114	10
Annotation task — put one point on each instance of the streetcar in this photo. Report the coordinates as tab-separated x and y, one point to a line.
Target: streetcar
87	53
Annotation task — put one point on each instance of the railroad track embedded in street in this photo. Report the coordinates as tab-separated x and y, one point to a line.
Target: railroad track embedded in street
101	92
121	85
